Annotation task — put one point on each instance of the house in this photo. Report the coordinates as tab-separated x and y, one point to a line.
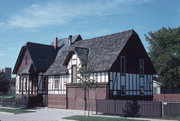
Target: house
121	67
33	61
156	85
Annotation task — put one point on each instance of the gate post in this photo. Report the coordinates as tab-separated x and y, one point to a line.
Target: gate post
162	109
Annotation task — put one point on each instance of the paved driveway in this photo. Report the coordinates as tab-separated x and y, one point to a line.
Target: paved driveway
44	114
47	114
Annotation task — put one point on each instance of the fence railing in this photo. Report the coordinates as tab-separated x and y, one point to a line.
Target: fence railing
147	108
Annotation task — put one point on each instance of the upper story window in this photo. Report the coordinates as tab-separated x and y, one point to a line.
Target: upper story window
123	90
123	64
74	74
141	90
141	66
44	83
56	84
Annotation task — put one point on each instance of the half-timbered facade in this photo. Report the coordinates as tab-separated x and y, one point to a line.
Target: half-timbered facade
32	63
120	65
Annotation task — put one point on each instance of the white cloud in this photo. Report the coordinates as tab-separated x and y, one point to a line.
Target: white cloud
2	53
59	13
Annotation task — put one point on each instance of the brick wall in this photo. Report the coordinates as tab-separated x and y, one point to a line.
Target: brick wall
57	101
167	97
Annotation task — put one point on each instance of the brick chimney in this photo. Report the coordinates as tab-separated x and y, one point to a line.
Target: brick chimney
56	43
70	40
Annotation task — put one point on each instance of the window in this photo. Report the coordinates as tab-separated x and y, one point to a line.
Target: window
141	90
44	83
74	74
20	84
141	66
123	64
56	84
123	90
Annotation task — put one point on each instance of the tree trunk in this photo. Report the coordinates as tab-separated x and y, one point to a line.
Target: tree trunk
88	101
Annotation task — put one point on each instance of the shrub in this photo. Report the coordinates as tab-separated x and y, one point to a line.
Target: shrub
131	109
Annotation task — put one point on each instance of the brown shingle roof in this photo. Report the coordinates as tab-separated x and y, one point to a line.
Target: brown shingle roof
103	51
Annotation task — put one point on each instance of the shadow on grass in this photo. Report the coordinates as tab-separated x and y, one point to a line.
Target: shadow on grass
15	110
96	118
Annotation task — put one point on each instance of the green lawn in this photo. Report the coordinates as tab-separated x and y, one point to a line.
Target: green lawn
14	110
6	96
173	118
95	118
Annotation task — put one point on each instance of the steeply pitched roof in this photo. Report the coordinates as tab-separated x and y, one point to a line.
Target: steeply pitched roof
42	56
103	51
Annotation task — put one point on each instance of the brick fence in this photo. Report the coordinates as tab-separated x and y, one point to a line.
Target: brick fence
167	97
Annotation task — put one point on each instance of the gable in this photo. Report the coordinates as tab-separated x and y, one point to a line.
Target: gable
40	55
74	61
24	61
133	51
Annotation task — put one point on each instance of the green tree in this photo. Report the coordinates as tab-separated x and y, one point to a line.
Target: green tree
85	81
164	51
4	83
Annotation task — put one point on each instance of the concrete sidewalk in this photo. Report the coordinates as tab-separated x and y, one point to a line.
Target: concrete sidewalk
50	114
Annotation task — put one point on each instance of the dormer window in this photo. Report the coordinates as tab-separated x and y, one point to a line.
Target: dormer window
123	64
141	66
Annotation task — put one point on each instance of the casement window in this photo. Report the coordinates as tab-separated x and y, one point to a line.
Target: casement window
25	83
123	90
141	66
20	84
123	64
56	84
44	83
141	90
74	74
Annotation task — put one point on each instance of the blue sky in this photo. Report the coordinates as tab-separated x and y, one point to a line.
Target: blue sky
42	20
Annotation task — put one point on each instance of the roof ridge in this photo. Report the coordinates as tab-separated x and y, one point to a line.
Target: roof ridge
37	44
130	30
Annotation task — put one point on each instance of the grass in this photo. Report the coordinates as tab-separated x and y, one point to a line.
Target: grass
95	118
173	118
14	110
6	96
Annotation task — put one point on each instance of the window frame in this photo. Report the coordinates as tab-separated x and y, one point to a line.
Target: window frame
123	64
56	84
123	90
141	90
141	67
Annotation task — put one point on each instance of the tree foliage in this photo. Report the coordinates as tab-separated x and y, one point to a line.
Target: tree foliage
84	79
164	51
4	83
